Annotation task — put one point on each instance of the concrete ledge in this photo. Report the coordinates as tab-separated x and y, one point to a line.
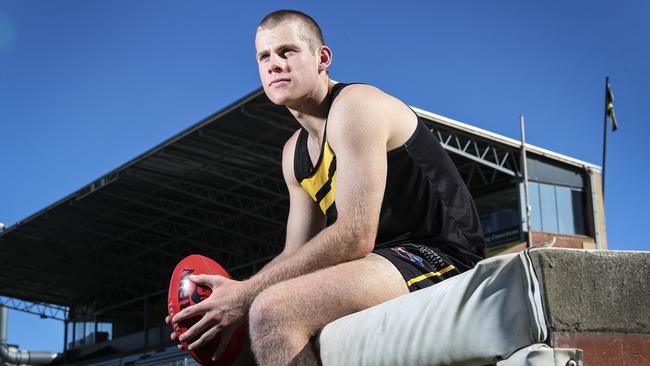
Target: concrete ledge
594	291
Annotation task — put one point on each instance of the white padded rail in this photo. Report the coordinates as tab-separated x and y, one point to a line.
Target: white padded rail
476	318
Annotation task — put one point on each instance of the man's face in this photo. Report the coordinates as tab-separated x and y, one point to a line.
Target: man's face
288	67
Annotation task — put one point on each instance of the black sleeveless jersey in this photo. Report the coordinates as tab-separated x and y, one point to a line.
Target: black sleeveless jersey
425	200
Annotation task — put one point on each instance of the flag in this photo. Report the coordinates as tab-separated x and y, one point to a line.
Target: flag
609	106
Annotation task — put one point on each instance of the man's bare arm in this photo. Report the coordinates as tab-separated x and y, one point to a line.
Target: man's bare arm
305	218
358	137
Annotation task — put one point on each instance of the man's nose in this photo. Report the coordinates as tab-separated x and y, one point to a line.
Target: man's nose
276	63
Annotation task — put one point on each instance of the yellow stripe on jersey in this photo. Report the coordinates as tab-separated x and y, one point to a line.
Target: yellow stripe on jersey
327	201
319	179
430	274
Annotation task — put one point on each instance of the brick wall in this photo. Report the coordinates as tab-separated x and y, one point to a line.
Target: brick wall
564	241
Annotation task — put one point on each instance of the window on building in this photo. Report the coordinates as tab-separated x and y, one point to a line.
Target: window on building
84	333
557	209
548	208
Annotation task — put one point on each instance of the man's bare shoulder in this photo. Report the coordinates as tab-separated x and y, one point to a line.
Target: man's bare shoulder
366	101
364	96
290	147
287	156
360	107
290	144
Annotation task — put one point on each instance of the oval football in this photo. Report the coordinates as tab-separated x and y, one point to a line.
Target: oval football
183	293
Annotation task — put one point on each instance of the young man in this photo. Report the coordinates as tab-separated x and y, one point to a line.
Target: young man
377	207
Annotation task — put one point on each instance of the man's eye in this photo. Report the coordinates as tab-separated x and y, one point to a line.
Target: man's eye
288	52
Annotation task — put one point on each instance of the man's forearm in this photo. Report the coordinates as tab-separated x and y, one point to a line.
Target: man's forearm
331	246
279	258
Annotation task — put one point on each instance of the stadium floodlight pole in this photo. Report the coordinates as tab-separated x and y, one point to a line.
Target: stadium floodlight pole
524	164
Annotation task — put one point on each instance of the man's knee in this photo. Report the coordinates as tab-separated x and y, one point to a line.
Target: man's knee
277	335
266	310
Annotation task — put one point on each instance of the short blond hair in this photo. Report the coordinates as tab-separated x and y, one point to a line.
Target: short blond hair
314	36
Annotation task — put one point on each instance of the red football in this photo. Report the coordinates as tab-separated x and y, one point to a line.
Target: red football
183	293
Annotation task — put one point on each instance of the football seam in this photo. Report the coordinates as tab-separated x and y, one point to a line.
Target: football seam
208	269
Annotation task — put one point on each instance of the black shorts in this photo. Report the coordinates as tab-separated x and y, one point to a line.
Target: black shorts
420	265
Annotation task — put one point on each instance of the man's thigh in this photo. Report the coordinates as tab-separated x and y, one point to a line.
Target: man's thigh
311	301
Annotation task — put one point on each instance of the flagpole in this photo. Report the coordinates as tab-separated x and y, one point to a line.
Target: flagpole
605	136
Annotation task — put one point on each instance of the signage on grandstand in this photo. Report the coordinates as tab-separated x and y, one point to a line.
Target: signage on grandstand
504	236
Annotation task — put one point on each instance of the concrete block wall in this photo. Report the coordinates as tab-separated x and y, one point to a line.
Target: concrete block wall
597	301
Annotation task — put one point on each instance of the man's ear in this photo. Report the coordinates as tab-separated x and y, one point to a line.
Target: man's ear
325	58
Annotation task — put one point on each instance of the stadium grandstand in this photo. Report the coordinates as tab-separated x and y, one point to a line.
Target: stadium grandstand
100	259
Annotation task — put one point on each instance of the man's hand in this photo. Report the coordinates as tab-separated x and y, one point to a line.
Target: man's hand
223	311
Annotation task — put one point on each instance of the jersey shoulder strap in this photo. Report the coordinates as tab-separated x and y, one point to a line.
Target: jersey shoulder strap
302	165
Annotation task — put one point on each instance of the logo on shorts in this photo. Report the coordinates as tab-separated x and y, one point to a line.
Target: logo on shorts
408	255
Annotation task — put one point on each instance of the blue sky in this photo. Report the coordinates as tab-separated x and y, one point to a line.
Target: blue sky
87	85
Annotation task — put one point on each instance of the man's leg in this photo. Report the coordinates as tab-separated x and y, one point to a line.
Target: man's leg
285	316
